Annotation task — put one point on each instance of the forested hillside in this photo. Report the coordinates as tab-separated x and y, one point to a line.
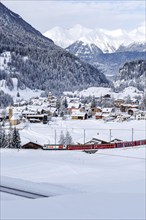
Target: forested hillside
38	63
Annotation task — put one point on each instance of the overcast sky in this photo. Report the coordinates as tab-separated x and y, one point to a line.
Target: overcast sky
106	14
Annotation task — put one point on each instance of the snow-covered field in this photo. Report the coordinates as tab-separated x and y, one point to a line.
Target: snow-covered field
109	184
82	131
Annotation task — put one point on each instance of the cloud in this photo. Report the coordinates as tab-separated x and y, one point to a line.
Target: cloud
94	14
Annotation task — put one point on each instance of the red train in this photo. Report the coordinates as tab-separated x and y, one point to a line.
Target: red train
95	146
107	146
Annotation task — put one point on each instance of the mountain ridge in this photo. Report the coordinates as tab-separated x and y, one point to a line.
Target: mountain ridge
47	67
107	40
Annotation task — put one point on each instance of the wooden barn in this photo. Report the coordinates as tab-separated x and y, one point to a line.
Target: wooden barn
31	145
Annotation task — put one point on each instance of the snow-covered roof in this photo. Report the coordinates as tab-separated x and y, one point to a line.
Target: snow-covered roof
78	113
73	104
107	110
130	105
133	109
98	113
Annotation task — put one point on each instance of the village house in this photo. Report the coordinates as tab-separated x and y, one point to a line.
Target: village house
123	117
125	107
98	115
102	139
78	115
96	110
119	102
36	118
107	112
73	106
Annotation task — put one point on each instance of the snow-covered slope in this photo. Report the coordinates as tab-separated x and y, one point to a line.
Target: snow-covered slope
107	40
100	91
107	185
23	94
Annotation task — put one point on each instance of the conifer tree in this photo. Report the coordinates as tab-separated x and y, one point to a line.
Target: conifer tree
64	103
10	137
68	138
16	143
3	139
62	138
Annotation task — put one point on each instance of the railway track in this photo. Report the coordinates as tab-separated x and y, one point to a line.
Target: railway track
21	193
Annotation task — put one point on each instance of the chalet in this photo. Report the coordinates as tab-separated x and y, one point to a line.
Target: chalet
119	102
98	141
72	107
116	140
109	118
96	110
31	145
107	111
103	139
77	115
125	107
37	118
123	117
98	115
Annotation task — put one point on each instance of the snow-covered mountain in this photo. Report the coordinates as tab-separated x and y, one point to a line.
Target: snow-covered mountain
109	63
65	37
133	47
108	50
84	51
108	41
